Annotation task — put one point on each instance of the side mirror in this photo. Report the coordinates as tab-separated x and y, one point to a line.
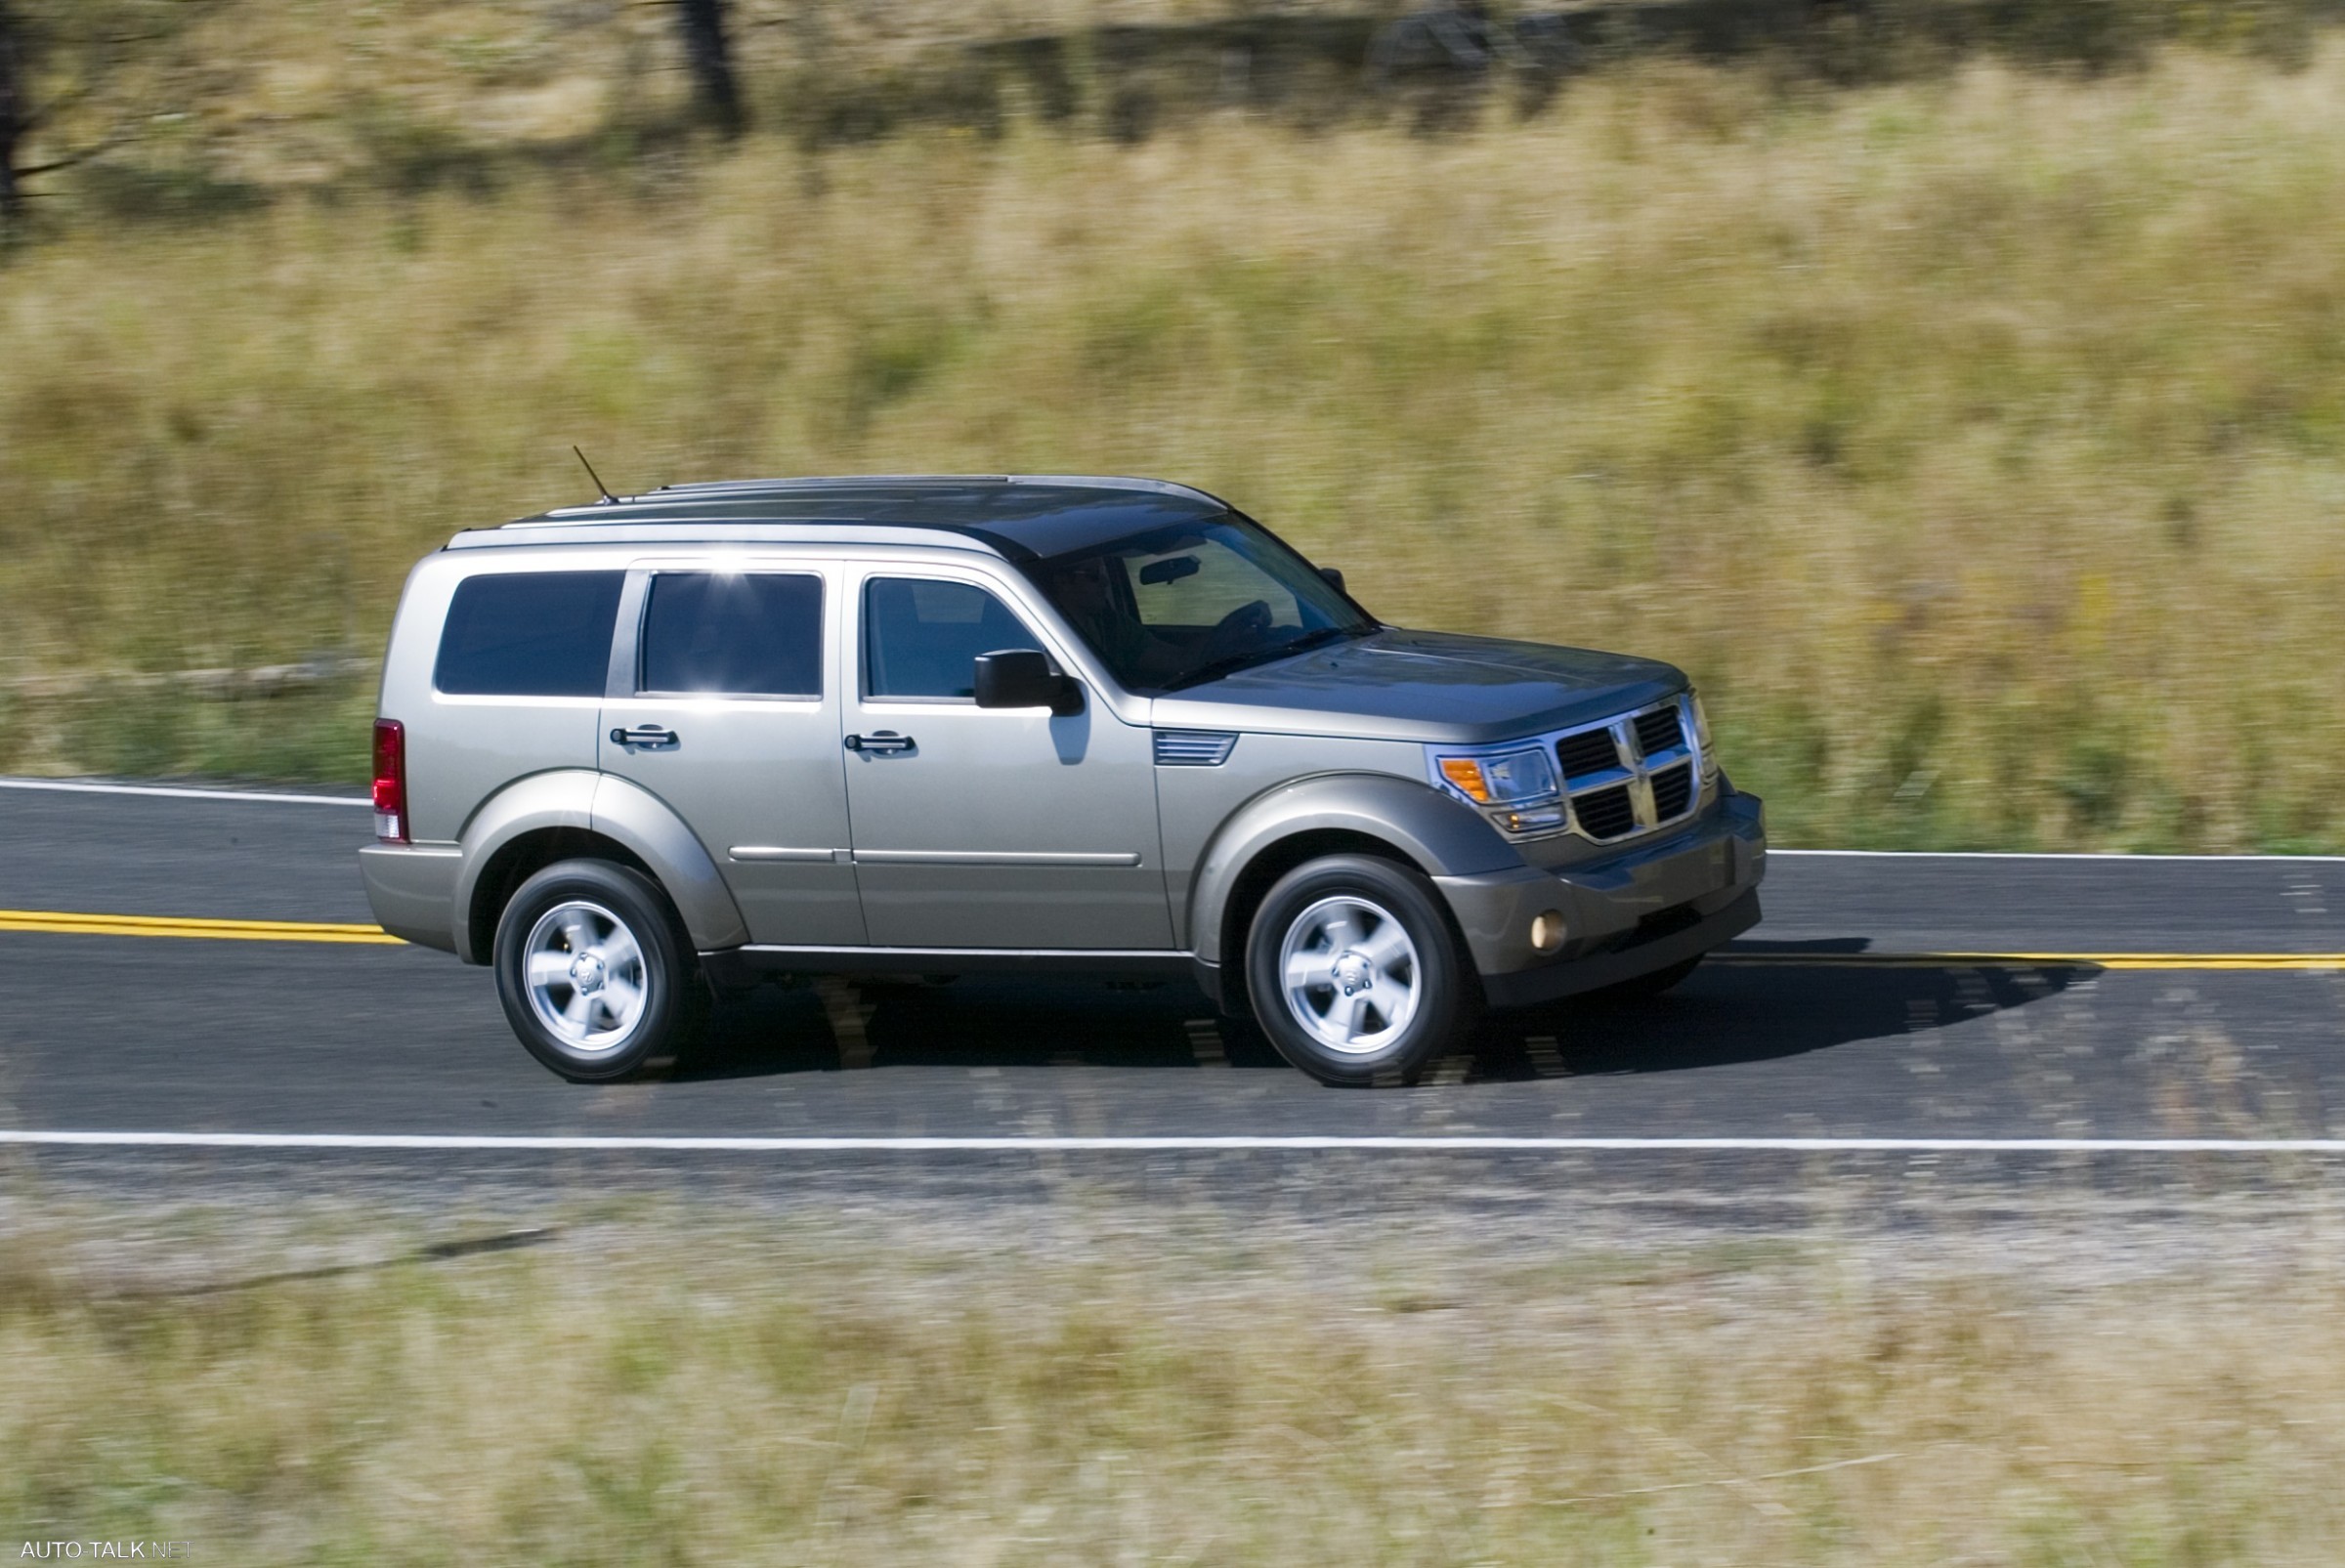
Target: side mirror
1024	677
1333	576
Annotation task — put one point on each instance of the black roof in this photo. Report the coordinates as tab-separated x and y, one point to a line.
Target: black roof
1024	519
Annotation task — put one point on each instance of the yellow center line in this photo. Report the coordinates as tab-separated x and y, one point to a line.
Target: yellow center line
71	923
68	923
2047	961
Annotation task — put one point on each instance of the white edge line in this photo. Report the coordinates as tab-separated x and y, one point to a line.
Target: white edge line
1058	1145
72	787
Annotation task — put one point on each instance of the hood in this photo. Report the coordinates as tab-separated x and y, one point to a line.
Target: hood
1398	685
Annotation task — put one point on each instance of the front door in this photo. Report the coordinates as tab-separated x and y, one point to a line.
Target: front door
726	713
990	827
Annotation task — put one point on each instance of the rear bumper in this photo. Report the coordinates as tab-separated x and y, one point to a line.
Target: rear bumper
414	891
1644	910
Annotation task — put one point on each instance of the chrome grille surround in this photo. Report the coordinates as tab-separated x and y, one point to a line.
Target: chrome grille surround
1629	733
1636	770
1658	730
1587	753
1672	791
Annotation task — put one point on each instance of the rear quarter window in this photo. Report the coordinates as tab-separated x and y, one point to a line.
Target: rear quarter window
528	634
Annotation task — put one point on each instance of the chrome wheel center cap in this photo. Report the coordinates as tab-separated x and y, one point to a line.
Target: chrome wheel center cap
586	972
1354	972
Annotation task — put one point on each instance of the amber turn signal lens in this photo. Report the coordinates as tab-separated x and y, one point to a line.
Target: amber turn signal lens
1467	775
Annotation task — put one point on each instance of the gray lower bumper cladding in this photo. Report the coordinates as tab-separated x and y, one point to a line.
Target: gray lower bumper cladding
1527	987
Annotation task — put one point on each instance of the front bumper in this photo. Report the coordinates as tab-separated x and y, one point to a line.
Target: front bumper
1644	910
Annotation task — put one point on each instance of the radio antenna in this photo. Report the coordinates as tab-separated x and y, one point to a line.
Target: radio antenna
607	499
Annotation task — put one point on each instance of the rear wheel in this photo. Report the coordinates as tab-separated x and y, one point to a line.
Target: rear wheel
595	972
1355	973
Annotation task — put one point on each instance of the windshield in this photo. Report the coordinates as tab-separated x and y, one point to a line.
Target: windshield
1193	602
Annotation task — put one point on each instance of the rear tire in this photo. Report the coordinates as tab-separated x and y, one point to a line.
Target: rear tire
1355	974
595	971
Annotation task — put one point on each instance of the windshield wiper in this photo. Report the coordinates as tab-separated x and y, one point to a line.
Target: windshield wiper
1263	656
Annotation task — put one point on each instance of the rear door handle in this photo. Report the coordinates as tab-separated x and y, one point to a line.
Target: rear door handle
650	736
879	740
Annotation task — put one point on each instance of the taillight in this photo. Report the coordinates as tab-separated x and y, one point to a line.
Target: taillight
390	780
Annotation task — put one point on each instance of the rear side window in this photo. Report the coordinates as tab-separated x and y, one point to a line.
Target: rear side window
530	634
922	638
750	633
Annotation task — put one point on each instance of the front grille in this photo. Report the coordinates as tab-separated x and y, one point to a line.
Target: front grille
1659	730
1634	773
1673	791
1589	751
1606	813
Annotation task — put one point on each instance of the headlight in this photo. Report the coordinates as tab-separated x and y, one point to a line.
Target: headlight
1503	779
1701	736
1517	787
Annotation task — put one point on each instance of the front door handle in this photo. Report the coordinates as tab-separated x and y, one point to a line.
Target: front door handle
879	740
650	736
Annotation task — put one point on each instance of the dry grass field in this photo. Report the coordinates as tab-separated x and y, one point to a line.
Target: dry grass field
1977	441
1126	1384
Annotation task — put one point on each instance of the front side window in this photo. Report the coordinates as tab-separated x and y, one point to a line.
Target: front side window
530	634
921	638
1182	604
736	633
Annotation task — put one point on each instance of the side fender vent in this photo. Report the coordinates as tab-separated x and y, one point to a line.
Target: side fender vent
1193	748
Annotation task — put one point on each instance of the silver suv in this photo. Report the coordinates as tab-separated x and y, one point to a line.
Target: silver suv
636	754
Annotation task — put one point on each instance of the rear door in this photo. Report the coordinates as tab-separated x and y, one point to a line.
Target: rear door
990	827
723	706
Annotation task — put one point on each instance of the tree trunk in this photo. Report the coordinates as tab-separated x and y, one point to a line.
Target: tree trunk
709	53
12	115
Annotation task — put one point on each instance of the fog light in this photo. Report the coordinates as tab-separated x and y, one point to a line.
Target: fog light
1547	931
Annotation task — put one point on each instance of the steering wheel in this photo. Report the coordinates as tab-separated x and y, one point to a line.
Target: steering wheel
1248	621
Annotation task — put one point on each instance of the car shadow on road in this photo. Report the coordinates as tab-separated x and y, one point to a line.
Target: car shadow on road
970	1022
1761	1003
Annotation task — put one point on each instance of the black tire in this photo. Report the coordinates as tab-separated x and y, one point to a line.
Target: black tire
1434	991
1644	986
673	993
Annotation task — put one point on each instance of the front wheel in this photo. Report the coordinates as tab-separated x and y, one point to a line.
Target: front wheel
1355	973
594	971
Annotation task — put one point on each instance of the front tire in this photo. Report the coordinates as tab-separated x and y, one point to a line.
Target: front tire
595	972
1354	972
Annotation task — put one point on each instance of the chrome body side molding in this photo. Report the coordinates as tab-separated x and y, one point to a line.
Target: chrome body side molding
993	857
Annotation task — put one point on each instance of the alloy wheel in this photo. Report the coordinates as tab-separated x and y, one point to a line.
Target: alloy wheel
584	972
1351	977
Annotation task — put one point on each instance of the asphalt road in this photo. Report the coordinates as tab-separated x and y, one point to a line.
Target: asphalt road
1800	1033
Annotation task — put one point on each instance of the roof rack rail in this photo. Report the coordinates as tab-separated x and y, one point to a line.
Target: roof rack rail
855	498
732	487
736	487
